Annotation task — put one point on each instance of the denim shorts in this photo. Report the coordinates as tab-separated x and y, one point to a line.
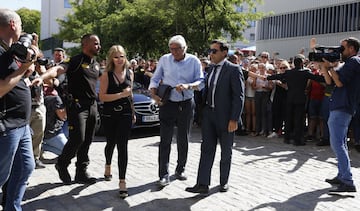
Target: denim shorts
314	108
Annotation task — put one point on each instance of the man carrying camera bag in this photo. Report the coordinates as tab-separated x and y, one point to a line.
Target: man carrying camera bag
343	103
16	57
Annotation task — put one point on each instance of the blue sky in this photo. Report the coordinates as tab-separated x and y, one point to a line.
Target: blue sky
17	4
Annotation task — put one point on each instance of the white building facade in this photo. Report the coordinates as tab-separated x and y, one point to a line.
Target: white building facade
51	11
293	23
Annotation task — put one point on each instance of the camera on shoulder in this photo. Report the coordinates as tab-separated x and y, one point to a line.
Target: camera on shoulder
330	53
21	47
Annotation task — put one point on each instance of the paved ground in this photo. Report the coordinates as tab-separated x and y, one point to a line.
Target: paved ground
265	175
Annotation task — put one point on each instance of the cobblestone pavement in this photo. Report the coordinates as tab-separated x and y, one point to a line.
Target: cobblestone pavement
266	174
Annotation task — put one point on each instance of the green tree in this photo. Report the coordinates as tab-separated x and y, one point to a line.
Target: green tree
30	20
143	27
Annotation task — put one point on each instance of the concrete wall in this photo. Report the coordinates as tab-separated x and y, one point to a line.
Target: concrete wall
289	47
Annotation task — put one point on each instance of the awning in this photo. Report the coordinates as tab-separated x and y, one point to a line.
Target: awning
250	48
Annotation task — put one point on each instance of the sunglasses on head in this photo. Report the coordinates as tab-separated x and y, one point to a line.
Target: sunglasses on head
212	50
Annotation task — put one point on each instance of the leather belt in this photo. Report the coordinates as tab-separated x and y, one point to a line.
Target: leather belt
184	101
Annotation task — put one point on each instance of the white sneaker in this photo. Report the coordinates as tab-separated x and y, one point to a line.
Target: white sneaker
272	135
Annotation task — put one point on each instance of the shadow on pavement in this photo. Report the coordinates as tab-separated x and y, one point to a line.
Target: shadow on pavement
104	199
266	150
299	202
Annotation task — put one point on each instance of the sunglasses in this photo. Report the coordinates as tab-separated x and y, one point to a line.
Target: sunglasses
282	68
264	57
213	51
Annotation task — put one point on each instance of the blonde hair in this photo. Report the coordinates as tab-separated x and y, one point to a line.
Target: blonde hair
285	63
111	54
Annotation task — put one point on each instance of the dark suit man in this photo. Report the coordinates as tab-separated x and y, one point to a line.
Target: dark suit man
296	80
224	97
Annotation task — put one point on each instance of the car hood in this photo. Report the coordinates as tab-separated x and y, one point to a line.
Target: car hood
139	97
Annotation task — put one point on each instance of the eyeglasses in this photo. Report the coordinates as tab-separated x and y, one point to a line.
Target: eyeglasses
175	49
213	51
282	68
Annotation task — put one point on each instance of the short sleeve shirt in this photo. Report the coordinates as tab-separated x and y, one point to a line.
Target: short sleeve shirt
82	73
16	104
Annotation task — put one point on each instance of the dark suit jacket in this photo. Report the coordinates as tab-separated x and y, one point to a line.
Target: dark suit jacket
229	94
296	80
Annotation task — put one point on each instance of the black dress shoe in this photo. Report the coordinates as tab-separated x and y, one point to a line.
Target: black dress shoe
164	181
180	176
84	178
63	174
333	181
344	188
203	189
224	188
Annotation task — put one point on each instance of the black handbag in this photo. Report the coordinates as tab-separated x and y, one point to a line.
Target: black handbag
164	92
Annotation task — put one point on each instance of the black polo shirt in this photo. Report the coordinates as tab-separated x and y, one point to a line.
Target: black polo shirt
82	73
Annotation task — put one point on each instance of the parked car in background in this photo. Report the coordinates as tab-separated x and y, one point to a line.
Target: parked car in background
146	110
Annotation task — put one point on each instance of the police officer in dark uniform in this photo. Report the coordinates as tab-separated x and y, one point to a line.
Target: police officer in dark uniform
82	72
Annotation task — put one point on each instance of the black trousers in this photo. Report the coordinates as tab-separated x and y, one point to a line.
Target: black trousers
117	131
294	123
82	120
171	114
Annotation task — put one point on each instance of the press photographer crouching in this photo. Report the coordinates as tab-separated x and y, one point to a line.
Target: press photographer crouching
343	103
17	58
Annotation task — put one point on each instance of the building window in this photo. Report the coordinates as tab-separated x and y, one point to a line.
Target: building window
252	37
67	4
341	18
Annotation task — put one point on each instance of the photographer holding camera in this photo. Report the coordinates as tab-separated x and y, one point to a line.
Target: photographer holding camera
343	104
16	60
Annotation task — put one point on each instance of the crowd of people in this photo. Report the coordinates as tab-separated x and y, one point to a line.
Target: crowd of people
53	107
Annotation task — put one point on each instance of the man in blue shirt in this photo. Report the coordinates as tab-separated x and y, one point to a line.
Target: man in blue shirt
183	72
343	104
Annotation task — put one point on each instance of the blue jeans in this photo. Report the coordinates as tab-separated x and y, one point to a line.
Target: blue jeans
16	164
338	127
55	144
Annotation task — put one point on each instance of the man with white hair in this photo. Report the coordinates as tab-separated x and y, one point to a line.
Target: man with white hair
183	72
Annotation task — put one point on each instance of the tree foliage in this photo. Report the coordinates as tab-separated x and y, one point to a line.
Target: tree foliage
30	20
143	27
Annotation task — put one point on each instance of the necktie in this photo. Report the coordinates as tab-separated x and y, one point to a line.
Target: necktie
210	96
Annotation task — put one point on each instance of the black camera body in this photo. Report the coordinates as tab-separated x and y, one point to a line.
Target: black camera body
42	61
20	48
330	53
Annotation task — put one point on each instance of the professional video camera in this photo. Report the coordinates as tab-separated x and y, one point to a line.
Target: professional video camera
330	53
21	48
